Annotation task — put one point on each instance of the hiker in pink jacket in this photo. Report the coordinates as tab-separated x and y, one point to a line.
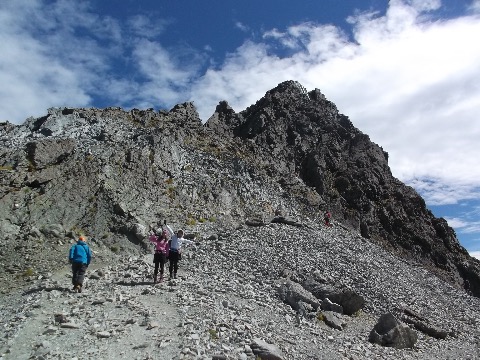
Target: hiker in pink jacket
161	251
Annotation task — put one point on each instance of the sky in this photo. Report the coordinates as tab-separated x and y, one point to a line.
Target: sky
406	72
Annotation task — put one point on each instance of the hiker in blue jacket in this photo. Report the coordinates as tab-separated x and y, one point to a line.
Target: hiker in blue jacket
80	256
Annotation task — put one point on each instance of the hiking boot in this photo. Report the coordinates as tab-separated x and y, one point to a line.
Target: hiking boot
155	278
175	275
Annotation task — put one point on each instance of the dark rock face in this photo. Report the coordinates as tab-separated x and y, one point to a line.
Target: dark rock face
392	333
301	134
112	174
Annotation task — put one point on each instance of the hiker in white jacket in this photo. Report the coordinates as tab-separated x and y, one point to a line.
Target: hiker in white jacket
175	250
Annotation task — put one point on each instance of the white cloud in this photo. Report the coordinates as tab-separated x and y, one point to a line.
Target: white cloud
475	254
241	26
62	54
475	6
456	223
441	191
44	64
165	80
147	27
463	225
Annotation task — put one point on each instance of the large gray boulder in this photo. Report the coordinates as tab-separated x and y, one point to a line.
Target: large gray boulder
350	301
266	351
392	333
293	293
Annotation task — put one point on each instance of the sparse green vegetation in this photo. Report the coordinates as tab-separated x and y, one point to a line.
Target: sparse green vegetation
31	166
77	231
115	248
212	219
171	192
169	181
202	220
320	316
191	221
28	272
6	168
213	334
358	313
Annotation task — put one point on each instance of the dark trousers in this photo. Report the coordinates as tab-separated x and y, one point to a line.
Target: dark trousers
78	273
173	257
159	260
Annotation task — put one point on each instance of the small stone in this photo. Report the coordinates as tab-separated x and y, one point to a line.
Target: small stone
70	325
152	325
103	335
50	330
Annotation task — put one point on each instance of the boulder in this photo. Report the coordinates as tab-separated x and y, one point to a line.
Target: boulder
327	305
266	351
427	329
334	320
292	293
350	301
140	231
53	230
391	332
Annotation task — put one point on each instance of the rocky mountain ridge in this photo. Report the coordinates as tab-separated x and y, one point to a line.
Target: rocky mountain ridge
266	278
112	174
306	135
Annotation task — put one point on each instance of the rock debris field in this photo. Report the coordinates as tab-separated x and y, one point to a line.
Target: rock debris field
227	303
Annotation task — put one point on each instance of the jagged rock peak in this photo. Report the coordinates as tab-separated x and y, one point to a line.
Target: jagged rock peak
224	119
224	107
289	86
295	91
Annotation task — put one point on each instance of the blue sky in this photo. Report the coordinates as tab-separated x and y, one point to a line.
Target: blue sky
406	72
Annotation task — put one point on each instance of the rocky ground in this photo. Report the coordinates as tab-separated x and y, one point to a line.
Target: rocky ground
225	304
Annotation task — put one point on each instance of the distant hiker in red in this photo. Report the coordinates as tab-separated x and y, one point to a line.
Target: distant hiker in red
161	251
327	218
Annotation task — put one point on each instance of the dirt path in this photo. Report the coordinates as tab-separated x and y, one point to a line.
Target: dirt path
119	315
